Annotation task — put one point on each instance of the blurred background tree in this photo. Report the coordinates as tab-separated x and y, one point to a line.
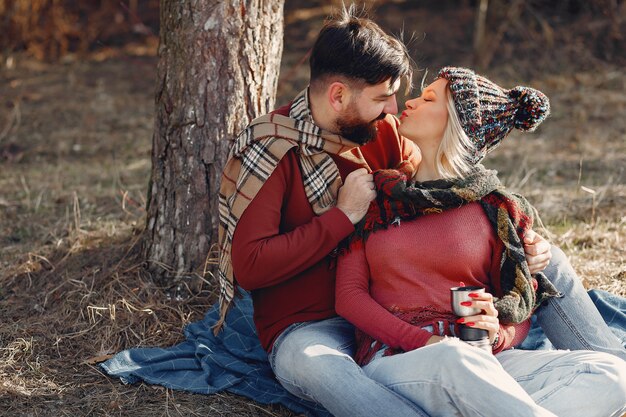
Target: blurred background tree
50	29
219	63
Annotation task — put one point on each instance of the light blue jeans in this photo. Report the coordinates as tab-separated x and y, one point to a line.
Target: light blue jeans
313	361
451	378
572	321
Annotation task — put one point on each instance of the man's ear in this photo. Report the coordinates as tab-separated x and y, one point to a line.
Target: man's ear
338	96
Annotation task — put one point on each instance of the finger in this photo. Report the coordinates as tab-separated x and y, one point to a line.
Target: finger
484	296
483	301
357	173
487	307
481	322
538	247
534	268
538	268
530	236
531	249
364	179
491	327
539	259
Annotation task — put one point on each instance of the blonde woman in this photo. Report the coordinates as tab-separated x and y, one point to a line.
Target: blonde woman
452	221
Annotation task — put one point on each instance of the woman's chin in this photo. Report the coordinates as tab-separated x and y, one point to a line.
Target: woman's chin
407	133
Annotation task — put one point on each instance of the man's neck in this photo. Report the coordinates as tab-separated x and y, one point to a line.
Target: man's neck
322	117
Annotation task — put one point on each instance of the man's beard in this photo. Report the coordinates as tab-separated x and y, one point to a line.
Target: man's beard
356	130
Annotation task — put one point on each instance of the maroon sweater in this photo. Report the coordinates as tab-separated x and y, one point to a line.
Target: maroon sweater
281	249
409	269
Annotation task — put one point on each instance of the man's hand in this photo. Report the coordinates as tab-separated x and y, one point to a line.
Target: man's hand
355	194
537	252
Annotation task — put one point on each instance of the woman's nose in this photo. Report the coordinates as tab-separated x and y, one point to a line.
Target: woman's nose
411	104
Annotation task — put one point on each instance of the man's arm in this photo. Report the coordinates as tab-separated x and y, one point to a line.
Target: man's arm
263	256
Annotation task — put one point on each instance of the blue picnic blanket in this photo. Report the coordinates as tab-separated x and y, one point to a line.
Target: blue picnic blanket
234	361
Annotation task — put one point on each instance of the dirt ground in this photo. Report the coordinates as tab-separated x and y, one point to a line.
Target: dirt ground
75	139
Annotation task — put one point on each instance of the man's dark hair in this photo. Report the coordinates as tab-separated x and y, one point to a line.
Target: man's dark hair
357	48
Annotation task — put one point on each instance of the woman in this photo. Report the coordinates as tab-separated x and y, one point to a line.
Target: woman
453	221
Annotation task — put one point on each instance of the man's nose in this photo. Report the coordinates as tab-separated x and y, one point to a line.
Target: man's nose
391	107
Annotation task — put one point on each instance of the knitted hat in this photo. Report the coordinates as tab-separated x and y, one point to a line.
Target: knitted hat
488	112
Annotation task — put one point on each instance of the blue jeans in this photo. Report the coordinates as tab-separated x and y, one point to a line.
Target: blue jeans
451	378
573	321
313	360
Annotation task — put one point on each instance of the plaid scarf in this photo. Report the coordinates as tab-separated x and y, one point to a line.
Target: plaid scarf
517	293
254	156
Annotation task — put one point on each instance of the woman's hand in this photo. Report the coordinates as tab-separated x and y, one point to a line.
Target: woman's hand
488	320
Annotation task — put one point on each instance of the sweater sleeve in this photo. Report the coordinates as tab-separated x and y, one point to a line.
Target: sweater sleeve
354	302
511	335
264	256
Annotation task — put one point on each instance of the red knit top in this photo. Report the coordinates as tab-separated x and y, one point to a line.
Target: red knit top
411	267
281	249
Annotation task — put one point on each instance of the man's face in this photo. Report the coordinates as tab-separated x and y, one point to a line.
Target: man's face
367	106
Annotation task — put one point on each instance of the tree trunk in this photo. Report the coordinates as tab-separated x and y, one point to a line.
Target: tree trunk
218	68
479	30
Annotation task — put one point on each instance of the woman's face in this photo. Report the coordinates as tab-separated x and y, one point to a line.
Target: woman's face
425	118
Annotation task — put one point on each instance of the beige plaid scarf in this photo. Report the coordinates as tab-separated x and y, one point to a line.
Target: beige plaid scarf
254	156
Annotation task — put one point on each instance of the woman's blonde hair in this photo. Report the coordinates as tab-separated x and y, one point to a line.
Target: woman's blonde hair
454	152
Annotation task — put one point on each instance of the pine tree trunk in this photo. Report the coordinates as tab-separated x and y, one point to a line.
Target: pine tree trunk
218	69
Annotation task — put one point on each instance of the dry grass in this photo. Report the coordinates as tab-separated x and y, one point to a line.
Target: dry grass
74	155
64	313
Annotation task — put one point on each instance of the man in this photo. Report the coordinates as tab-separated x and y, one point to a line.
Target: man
284	209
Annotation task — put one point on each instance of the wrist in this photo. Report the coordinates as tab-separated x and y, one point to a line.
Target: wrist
496	340
350	215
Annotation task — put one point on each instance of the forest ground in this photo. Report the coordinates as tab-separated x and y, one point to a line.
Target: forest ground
75	139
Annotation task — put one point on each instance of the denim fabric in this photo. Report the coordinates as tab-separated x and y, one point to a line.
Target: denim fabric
612	308
451	378
234	360
573	321
314	361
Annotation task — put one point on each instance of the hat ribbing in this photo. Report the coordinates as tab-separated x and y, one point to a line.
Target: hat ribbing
489	112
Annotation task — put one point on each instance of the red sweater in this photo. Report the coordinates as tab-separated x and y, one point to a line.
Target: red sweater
412	267
280	249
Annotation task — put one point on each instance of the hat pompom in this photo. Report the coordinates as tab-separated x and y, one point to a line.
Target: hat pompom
532	107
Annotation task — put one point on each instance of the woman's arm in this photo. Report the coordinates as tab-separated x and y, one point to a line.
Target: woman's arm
511	335
354	302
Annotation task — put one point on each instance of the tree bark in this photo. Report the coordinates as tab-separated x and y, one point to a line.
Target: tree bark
218	69
479	29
